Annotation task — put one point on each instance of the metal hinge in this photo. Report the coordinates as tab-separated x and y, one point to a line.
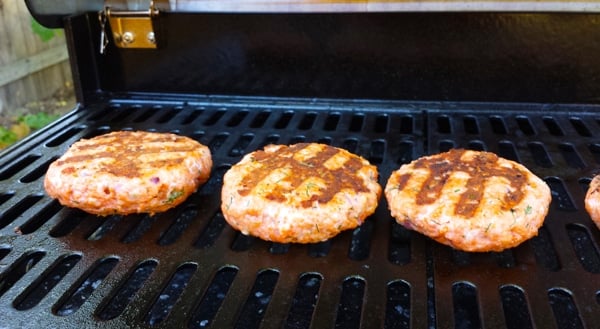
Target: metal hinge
130	28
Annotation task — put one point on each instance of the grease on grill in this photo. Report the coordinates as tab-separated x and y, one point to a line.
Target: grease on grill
167	298
349	310
258	299
211	232
213	297
242	242
320	249
560	195
105	226
584	247
125	293
183	219
69	221
361	241
279	248
399	248
565	310
544	251
81	291
304	301
466	305
505	258
143	224
516	308
398	306
46	282
18	269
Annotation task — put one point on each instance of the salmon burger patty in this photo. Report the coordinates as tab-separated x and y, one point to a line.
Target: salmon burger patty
302	193
126	172
469	200
592	200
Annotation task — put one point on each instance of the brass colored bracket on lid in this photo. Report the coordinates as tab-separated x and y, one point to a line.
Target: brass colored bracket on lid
130	29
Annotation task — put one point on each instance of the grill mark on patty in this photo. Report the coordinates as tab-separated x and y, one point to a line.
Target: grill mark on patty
125	166
334	180
126	163
480	168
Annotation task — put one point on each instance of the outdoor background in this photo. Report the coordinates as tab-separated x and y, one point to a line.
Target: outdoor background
35	78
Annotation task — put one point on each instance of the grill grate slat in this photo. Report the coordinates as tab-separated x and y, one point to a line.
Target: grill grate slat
304	302
47	281
166	300
566	313
466	306
349	310
257	300
126	293
85	287
212	299
23	265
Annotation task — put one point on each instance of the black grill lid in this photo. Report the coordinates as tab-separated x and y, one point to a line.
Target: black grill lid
456	56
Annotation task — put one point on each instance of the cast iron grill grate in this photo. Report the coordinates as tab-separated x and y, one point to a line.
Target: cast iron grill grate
187	267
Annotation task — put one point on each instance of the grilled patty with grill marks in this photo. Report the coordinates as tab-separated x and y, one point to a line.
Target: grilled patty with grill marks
592	200
469	200
127	172
302	193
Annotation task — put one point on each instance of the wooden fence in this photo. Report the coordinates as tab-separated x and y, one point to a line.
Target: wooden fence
31	69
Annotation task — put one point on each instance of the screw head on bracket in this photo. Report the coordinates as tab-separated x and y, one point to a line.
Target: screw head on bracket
127	37
151	37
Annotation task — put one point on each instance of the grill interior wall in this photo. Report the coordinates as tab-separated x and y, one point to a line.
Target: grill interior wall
187	267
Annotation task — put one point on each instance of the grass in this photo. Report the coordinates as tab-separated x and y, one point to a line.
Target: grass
23	126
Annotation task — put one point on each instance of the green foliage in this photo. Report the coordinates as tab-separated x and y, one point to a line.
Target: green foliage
43	32
7	137
23	127
38	120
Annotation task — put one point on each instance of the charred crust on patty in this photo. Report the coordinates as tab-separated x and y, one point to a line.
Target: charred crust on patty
470	200
125	172
303	193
